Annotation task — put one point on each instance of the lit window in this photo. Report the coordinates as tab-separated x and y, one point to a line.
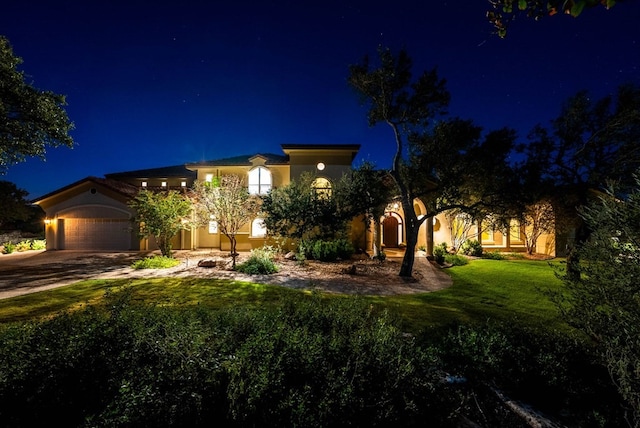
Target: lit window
258	229
183	184
164	184
208	178
213	226
322	186
515	232
144	184
259	181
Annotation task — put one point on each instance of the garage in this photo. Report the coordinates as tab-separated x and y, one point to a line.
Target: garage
94	234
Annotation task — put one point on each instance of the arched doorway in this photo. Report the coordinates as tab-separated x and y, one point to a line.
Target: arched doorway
391	230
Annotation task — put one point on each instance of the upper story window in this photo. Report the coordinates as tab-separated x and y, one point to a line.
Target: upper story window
258	229
322	186
144	184
259	181
164	184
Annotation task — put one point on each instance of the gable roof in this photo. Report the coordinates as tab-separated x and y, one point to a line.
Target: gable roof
120	187
243	160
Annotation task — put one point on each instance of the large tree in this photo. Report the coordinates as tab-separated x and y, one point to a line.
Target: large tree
30	119
228	203
161	215
591	143
446	164
13	206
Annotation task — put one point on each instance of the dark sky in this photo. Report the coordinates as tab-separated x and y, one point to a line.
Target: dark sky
161	83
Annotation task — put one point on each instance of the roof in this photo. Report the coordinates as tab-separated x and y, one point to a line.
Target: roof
244	160
167	171
120	187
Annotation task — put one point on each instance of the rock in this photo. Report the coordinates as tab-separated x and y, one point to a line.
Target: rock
207	263
351	270
290	256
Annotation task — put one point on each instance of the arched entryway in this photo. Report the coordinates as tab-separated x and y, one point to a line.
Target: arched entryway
392	230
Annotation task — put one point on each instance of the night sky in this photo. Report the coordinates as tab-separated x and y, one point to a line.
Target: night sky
153	84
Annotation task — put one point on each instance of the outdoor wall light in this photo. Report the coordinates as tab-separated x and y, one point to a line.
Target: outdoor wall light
320	166
47	221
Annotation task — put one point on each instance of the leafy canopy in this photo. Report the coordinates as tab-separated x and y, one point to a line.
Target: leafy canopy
30	119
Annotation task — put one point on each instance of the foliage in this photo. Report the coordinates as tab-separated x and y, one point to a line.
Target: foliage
8	247
155	262
472	247
23	246
460	226
447	164
504	11
603	299
591	142
329	251
300	212
13	206
521	361
162	215
493	255
227	202
260	262
455	259
30	119
38	244
439	252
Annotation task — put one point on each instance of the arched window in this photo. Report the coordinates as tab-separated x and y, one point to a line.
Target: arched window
259	181
258	230
322	186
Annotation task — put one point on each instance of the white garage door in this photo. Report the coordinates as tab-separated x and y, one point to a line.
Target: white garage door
96	234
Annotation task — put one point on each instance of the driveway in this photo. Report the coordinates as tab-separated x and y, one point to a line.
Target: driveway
30	271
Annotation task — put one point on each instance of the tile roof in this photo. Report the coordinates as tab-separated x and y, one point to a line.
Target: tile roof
243	160
121	187
167	171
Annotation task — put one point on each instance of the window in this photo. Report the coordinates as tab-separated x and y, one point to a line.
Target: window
258	230
183	184
515	232
259	181
144	184
164	184
213	226
322	186
208	178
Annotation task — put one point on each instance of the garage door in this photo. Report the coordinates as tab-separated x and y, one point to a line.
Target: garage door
96	234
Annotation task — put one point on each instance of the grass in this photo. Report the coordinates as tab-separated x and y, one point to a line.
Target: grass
155	262
504	290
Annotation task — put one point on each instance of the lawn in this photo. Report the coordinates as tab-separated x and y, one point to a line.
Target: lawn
505	290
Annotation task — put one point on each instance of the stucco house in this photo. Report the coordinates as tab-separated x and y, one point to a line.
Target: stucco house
93	213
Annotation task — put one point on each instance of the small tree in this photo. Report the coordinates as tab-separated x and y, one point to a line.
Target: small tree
460	226
537	220
301	212
30	119
602	300
227	202
162	215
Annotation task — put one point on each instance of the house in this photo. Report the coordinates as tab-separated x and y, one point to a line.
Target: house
93	213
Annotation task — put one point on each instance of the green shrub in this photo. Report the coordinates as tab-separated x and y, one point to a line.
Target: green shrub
329	251
493	255
23	246
155	262
439	253
8	247
472	248
455	259
39	244
260	262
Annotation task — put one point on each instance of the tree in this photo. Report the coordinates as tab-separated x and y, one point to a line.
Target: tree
504	11
228	203
13	207
446	165
460	226
602	300
30	119
302	212
365	192
161	215
590	143
537	219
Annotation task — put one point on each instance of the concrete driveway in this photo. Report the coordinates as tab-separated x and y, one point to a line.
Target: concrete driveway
31	271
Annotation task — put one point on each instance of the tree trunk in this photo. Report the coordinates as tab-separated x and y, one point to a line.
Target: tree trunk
376	237
412	227
164	244
234	254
